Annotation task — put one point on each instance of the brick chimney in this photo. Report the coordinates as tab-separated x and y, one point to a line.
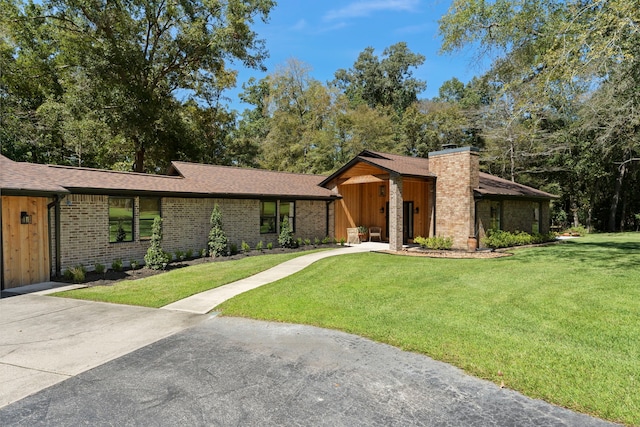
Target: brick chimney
458	174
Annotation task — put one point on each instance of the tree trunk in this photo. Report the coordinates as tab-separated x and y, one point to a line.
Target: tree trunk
138	166
622	170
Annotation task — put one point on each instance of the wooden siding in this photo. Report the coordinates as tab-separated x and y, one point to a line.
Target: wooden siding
25	246
361	204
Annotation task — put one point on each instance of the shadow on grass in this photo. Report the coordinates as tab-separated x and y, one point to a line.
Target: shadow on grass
605	253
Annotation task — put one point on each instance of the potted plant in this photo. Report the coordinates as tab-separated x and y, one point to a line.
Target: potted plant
362	232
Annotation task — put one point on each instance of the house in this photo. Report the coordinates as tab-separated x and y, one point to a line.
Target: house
56	217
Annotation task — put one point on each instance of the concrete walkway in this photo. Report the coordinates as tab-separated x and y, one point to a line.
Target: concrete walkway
204	302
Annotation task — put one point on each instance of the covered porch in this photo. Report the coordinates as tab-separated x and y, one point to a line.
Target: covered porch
401	205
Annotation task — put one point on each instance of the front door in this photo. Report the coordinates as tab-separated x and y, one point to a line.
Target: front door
407	221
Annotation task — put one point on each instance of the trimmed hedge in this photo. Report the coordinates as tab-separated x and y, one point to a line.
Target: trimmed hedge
504	239
436	242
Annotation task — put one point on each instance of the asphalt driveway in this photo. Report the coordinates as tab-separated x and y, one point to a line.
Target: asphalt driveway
229	371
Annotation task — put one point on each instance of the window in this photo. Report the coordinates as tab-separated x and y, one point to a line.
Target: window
267	217
120	219
149	210
496	213
288	210
272	213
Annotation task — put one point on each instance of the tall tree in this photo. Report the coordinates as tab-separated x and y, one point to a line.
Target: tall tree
386	82
138	55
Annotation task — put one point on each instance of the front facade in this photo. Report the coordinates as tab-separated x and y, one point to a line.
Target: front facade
56	217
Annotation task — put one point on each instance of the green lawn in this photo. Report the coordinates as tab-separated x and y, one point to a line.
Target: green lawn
561	322
163	289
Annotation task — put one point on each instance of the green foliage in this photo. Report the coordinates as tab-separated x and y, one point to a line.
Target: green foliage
576	231
259	246
342	241
218	241
99	268
307	242
436	242
134	264
326	240
116	265
233	249
286	239
156	258
189	253
269	245
77	274
316	241
245	247
504	239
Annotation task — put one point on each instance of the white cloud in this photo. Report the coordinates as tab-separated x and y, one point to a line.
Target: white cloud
300	25
366	8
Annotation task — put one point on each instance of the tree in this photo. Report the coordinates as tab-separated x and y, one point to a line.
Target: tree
139	55
218	241
386	82
156	258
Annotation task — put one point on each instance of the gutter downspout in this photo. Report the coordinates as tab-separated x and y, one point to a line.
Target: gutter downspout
1	249
56	205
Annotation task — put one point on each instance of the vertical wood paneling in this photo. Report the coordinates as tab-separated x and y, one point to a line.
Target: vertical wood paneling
25	246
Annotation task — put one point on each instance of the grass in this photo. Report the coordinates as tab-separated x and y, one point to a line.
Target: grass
561	322
160	290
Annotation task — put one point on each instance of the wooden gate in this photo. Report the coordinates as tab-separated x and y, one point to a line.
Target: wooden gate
25	241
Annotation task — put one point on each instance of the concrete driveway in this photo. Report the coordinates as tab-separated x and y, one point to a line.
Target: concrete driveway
229	371
45	340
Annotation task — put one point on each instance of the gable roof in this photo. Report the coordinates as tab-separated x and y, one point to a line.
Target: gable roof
489	185
186	179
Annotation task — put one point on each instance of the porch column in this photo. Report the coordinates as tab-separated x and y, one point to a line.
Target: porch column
395	212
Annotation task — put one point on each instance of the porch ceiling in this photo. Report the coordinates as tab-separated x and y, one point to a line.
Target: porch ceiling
362	179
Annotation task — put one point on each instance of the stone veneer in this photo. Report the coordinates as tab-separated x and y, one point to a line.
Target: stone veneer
516	215
84	225
458	173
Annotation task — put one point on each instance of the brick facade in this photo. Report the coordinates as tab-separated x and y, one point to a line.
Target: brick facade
84	225
531	216
457	174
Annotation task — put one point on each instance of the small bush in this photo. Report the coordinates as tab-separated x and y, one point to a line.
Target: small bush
326	240
77	273
245	247
234	249
436	242
259	246
342	241
307	242
179	255
576	231
269	245
316	241
99	268
203	252
134	264
116	265
189	253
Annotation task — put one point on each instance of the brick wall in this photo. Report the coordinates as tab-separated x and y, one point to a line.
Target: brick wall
516	215
84	227
457	172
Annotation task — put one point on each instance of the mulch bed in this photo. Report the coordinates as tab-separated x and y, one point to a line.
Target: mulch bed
111	277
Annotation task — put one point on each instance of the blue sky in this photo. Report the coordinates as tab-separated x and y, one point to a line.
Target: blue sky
330	34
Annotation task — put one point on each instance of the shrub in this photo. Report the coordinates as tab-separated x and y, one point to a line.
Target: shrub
189	254
269	245
503	239
179	255
579	231
342	241
259	246
245	247
99	268
234	249
307	242
134	264
218	241
203	252
77	273
316	241
326	240
286	239
156	258
116	265
436	242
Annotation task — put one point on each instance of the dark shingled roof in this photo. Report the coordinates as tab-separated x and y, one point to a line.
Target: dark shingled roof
493	186
187	179
419	167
